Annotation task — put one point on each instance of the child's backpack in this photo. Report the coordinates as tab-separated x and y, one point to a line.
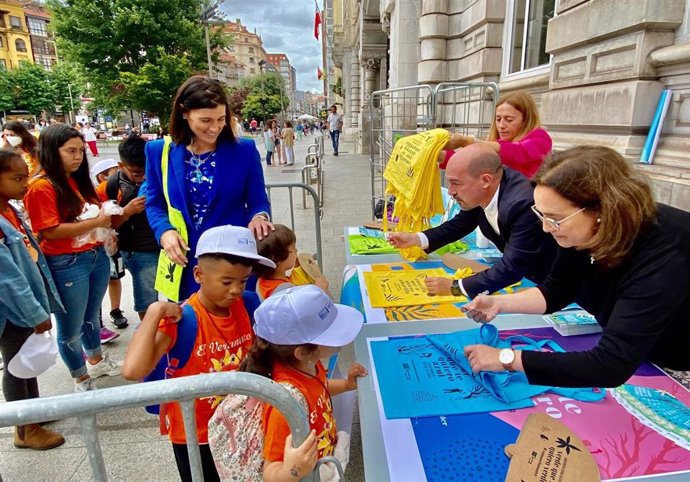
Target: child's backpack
236	438
178	354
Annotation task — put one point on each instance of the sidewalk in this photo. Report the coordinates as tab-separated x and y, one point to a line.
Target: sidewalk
132	447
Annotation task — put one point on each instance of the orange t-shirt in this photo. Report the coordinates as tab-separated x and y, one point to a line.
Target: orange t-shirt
41	204
221	344
102	192
11	216
266	286
321	419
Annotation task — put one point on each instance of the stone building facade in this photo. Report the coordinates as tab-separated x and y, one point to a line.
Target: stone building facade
596	67
246	47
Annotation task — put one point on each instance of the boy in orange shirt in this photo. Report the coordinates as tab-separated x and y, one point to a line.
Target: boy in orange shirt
224	335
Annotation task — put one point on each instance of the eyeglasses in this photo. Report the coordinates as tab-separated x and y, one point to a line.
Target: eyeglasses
555	224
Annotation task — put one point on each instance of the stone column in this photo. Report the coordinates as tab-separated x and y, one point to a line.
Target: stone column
355	100
371	67
404	42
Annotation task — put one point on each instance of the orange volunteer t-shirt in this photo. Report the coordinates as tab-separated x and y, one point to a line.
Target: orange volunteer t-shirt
41	204
266	286
321	419
102	191
221	344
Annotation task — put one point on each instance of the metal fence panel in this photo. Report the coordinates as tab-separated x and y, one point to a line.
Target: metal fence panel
278	204
461	107
87	405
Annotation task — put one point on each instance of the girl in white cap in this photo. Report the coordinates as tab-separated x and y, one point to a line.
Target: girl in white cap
295	328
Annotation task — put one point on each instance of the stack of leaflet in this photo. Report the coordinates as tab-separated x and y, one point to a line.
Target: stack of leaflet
573	323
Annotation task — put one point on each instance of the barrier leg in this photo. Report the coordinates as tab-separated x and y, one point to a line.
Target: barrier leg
189	417
93	447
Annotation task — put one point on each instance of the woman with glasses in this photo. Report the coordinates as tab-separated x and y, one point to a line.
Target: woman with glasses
622	256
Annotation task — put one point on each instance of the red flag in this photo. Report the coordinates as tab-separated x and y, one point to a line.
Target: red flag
319	73
317	20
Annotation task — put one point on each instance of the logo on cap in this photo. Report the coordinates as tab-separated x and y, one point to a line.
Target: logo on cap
326	310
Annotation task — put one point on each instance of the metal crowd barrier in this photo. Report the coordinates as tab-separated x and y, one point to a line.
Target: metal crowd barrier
312	172
85	406
467	108
306	189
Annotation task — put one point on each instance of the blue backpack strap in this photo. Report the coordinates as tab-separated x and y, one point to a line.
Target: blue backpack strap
251	303
178	354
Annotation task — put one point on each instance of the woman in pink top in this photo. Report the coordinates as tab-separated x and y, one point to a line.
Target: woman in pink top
516	134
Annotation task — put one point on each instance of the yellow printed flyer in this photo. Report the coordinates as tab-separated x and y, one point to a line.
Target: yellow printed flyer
404	288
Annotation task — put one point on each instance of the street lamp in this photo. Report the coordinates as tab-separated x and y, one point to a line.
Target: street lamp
71	102
206	15
263	94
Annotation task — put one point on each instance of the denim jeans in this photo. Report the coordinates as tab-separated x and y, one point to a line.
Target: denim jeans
269	155
143	266
335	138
81	280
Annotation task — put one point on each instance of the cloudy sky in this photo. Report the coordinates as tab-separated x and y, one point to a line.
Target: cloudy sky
285	26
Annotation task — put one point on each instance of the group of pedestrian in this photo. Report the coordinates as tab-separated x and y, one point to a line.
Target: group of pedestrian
279	143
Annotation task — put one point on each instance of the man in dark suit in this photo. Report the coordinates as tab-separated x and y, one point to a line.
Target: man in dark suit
498	200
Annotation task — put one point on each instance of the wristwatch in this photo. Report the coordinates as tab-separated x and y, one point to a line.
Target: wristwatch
507	356
455	289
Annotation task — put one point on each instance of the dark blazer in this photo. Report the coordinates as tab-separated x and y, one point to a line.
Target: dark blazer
528	251
238	193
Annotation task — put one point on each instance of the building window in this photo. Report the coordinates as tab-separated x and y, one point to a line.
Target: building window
252	70
3	64
528	22
20	45
37	27
46	62
246	39
251	60
2	20
15	22
231	48
251	50
2	42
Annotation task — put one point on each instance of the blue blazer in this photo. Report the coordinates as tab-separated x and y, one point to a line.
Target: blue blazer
237	195
528	252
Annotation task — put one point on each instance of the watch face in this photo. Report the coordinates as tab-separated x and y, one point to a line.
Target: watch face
506	356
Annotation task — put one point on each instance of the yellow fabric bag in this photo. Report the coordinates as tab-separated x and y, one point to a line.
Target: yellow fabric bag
414	179
169	274
404	288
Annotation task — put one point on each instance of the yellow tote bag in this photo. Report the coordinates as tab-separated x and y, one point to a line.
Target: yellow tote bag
414	179
169	274
388	289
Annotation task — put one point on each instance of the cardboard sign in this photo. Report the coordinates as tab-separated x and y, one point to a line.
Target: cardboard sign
309	265
457	262
548	451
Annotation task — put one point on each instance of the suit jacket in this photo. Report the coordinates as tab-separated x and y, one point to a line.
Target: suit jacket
237	194
527	250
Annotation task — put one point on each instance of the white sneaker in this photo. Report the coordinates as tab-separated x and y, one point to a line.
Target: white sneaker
105	367
85	386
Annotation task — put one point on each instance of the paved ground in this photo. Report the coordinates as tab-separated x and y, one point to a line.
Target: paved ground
132	447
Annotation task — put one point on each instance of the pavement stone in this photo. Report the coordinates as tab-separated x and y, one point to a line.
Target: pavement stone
132	447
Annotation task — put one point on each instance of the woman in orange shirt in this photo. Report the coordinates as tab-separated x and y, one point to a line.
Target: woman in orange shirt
55	202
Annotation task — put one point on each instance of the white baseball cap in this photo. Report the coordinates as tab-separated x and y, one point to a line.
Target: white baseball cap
37	354
234	240
306	314
102	166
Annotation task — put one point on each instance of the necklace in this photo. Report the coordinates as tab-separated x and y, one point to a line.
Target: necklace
196	161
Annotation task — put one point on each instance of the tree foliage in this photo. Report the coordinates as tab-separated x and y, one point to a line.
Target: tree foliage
237	96
112	39
153	88
30	87
264	98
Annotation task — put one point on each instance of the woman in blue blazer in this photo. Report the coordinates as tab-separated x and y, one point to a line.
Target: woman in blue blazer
213	178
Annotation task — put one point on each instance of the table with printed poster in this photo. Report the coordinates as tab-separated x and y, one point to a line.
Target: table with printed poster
355	293
632	436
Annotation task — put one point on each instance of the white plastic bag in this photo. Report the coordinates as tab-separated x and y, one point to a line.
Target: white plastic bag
37	354
98	235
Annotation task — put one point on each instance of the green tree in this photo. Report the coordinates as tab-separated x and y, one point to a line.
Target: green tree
237	96
111	37
261	107
6	98
152	89
32	89
69	84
